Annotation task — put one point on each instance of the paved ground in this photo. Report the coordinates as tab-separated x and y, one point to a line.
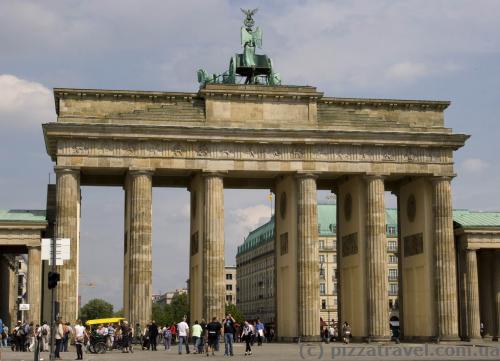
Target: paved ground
291	352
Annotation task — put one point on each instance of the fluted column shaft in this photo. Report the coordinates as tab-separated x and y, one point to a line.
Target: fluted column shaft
444	255
472	289
496	291
376	257
68	226
34	284
140	260
213	247
308	256
486	291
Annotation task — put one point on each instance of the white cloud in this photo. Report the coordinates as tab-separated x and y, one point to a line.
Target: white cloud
407	71
474	165
24	103
252	217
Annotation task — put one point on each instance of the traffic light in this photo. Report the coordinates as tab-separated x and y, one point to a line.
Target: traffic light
54	277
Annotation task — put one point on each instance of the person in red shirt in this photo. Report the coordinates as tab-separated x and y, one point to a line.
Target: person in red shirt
173	331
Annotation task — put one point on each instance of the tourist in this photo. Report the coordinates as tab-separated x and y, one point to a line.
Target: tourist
68	333
247	336
111	336
45	335
213	330
145	338
127	334
196	334
183	333
228	335
5	336
346	332
59	334
138	333
259	328
153	335
173	331
79	334
167	337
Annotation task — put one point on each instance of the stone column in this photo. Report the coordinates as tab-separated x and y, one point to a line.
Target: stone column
34	283
444	256
376	258
496	292
139	252
68	226
213	247
472	290
308	257
486	291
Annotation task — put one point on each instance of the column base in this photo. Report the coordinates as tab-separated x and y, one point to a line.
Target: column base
448	339
310	339
371	339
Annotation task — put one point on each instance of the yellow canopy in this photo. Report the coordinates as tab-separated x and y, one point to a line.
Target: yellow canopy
104	320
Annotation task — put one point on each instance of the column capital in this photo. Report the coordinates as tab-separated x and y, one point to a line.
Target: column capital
301	175
441	178
374	176
141	171
213	173
59	169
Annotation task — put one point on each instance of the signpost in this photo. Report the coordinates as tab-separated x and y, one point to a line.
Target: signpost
55	251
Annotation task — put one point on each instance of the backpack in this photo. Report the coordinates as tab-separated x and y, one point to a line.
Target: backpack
21	331
44	331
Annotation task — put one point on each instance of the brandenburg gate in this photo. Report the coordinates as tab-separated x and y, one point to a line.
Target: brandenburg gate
293	141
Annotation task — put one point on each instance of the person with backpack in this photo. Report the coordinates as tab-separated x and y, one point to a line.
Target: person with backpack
167	337
45	336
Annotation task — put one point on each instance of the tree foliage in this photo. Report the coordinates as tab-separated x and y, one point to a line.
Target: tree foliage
173	312
96	308
237	315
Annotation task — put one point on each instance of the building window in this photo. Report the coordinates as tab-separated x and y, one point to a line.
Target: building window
229	298
393	289
392	246
229	287
393	259
390	304
391	230
229	276
322	273
321	244
323	304
321	258
322	289
393	274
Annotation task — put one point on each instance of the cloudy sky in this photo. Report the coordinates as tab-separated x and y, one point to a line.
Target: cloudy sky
420	49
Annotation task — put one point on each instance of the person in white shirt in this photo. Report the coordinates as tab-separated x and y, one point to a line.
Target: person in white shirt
183	333
80	333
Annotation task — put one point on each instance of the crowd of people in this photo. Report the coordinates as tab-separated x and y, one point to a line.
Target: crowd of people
331	332
204	337
200	338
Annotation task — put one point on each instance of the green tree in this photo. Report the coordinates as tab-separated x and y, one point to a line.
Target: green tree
237	315
96	308
179	307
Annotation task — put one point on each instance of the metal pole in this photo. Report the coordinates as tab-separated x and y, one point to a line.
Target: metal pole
53	298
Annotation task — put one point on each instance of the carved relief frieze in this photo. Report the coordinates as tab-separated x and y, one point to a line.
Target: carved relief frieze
255	151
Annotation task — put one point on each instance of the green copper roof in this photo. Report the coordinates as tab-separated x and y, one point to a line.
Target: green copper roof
22	215
327	226
468	218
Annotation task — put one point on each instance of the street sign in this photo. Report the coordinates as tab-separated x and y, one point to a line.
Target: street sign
62	250
24	307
